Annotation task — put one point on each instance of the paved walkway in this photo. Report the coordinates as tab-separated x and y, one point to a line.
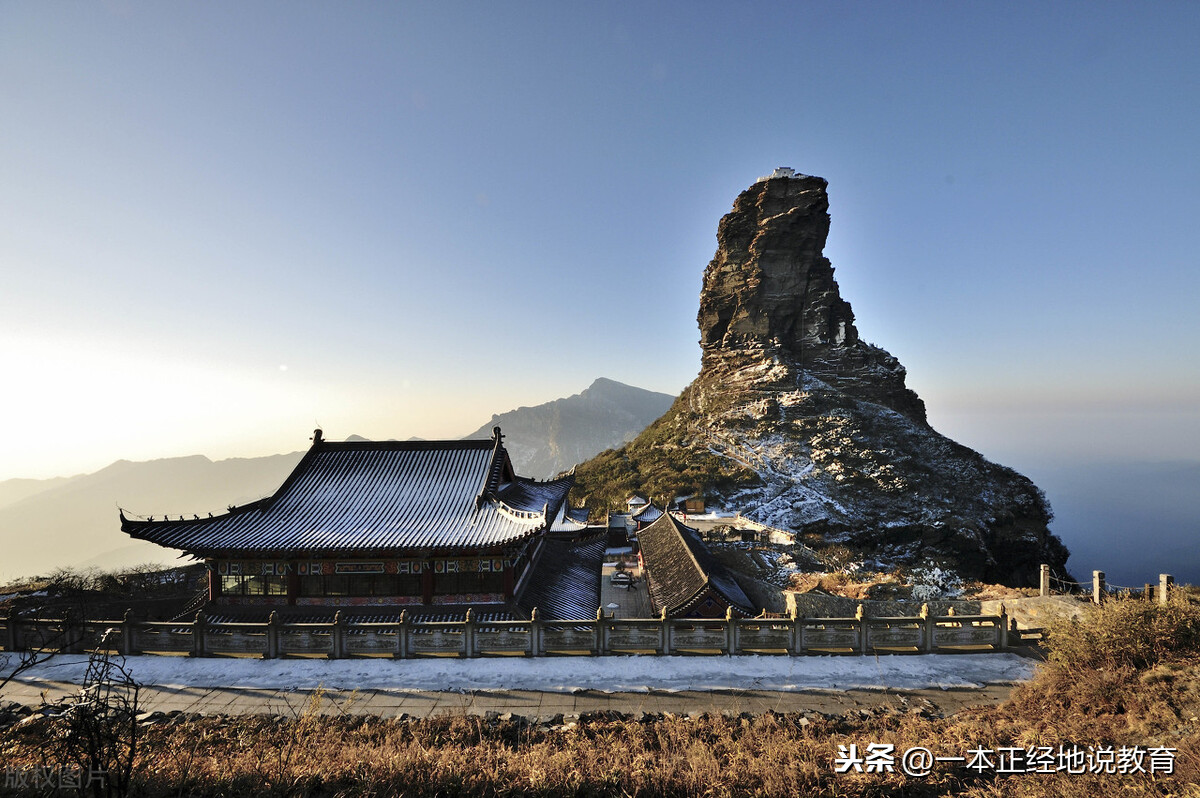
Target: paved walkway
529	703
632	601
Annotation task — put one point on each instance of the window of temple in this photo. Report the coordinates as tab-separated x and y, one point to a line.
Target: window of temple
468	583
361	585
254	585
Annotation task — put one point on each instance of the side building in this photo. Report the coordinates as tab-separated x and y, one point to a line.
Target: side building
685	579
372	528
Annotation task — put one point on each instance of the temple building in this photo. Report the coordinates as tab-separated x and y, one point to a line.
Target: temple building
685	579
432	527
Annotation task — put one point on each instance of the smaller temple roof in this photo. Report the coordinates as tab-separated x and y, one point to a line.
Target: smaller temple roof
565	583
681	568
573	520
375	498
647	514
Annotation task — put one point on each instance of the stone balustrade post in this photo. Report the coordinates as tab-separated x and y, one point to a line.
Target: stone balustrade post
796	634
402	636
1097	587
129	646
535	633
72	636
10	631
272	651
731	632
863	631
199	630
927	628
1003	636
1044	580
665	625
469	634
1165	581
338	636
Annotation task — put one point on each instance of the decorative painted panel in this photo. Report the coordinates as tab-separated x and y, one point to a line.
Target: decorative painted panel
358	568
357	601
469	598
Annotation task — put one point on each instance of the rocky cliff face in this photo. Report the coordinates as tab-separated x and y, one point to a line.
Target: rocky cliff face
801	425
769	294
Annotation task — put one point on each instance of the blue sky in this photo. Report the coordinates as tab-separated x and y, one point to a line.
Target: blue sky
223	223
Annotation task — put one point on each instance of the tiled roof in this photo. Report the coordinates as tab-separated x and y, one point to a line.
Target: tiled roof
681	567
572	521
647	514
373	498
565	583
529	494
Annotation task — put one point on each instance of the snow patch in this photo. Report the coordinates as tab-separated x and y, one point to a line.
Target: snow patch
564	675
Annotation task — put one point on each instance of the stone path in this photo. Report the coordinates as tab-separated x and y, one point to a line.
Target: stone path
633	601
529	703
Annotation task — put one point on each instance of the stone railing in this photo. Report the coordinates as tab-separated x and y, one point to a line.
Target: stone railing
536	637
1100	588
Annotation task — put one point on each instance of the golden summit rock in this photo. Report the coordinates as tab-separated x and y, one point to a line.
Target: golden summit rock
799	424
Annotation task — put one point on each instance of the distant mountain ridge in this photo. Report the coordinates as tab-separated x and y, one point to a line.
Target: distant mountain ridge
550	438
15	490
74	521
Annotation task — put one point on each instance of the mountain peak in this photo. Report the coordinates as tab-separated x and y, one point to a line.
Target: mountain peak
769	292
799	424
552	437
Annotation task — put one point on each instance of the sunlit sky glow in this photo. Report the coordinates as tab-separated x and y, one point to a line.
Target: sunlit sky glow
224	223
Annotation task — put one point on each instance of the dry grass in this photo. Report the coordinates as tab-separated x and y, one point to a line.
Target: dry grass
1127	675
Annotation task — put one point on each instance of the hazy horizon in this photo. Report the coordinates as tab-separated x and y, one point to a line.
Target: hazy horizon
1106	509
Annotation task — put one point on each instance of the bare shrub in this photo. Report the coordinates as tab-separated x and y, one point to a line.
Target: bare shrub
1127	633
96	730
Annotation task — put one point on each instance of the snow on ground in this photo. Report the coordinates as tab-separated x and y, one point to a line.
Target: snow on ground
565	674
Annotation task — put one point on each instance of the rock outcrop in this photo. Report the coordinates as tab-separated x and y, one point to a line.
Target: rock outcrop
801	425
769	293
